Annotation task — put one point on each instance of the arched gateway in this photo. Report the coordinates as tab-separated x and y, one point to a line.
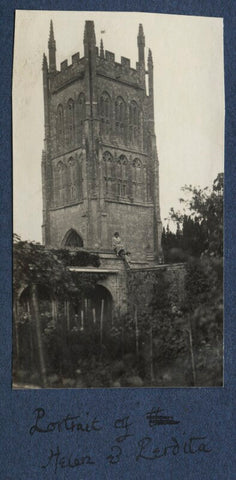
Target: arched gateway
90	312
72	239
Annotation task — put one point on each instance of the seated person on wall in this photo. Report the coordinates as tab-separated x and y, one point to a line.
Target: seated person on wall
119	248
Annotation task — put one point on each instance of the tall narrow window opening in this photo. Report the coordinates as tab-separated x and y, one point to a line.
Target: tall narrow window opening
120	118
134	123
81	115
109	176
137	180
74	180
70	122
61	184
105	114
122	176
60	126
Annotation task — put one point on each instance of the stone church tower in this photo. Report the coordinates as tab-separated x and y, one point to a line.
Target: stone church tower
99	163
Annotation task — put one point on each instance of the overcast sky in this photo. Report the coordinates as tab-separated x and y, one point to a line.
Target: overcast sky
188	88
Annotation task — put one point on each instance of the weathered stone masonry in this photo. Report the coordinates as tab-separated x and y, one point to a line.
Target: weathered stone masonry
100	169
143	286
99	164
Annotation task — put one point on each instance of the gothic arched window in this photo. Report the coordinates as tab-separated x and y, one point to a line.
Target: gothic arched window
122	176
60	125
149	185
105	113
56	184
119	177
81	114
70	122
74	184
120	118
60	186
134	123
109	174
73	239
137	179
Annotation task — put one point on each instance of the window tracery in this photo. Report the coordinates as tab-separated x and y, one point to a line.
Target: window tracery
105	114
137	179
122	176
109	174
67	182
60	126
74	186
124	179
81	114
134	123
120	118
149	184
70	122
60	184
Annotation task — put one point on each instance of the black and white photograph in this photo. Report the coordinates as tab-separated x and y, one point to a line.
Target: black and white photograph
118	185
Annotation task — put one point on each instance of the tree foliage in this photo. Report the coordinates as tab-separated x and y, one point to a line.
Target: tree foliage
199	223
39	335
199	240
34	263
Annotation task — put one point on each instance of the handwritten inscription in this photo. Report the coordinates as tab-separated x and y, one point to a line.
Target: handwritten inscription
155	418
123	423
115	455
190	446
68	423
125	443
57	460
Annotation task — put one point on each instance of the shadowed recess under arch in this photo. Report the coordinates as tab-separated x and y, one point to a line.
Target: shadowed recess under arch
72	239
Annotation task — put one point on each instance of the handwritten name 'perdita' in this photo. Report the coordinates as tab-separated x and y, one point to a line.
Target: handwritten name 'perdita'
190	445
68	423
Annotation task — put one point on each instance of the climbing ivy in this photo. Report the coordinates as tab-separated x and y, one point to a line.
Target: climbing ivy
34	263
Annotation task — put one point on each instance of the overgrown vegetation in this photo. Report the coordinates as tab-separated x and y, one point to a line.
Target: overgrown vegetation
199	224
40	334
199	242
173	334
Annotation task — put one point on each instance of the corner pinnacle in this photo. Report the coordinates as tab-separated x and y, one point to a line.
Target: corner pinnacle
149	56
51	34
101	49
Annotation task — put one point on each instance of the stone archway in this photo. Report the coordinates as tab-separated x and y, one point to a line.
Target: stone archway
101	304
73	239
91	311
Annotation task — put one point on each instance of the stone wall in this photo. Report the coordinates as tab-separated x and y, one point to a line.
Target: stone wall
64	219
115	281
139	286
143	286
135	225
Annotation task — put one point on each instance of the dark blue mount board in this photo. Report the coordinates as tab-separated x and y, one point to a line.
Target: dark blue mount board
203	412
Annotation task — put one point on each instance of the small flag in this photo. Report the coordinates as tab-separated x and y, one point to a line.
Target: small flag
103	31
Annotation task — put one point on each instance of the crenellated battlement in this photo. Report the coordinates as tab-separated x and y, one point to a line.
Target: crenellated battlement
106	66
68	73
75	60
123	72
109	56
104	63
